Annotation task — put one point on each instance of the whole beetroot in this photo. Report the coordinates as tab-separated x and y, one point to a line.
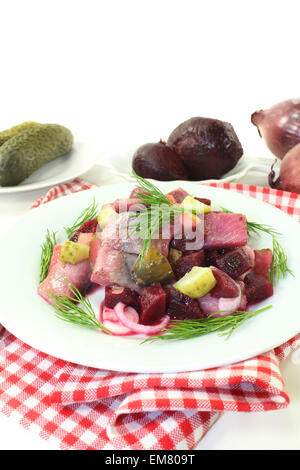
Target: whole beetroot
209	148
158	161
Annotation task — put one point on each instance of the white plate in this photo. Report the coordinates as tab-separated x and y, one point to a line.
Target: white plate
122	167
32	320
64	168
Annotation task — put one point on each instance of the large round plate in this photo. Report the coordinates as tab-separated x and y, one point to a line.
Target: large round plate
32	320
64	168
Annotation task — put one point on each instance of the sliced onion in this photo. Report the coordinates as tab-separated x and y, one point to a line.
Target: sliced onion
122	313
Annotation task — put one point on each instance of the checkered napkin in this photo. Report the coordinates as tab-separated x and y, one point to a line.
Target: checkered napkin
76	407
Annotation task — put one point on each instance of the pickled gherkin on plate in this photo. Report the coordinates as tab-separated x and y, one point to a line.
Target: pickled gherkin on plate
153	268
12	131
30	149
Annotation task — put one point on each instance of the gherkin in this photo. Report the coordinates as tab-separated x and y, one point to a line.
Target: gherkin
9	133
30	149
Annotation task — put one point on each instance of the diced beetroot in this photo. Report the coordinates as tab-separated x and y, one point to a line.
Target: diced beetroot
225	287
88	227
212	255
180	306
152	304
178	194
257	287
186	263
203	200
236	262
116	294
263	262
222	230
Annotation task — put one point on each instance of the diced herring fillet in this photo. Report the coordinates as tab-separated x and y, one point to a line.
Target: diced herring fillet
222	230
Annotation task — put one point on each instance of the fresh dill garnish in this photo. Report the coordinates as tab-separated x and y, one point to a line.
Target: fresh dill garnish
159	211
279	266
46	255
75	309
89	213
187	329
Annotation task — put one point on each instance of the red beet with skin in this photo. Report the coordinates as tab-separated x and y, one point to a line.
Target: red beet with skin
158	161
209	148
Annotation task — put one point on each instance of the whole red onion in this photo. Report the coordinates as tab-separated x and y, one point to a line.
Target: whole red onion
279	126
289	177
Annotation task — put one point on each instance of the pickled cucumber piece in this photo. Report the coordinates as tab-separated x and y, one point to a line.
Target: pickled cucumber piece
154	267
196	283
174	255
73	253
9	133
191	204
30	149
105	215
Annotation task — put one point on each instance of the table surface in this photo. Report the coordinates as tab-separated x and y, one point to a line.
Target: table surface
268	430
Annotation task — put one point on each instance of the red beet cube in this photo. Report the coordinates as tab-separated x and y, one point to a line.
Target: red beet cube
88	227
180	306
225	287
212	255
203	200
263	262
116	294
152	304
236	262
184	264
257	287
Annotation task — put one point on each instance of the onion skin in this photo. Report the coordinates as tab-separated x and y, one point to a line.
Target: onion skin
279	126
289	177
209	148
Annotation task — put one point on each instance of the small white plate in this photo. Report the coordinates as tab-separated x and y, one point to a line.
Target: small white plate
64	168
31	319
122	167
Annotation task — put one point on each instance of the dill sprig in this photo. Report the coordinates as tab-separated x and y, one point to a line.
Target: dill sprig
46	254
76	309
89	213
187	329
279	266
159	211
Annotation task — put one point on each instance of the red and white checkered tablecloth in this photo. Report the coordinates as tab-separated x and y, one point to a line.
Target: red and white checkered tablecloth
77	407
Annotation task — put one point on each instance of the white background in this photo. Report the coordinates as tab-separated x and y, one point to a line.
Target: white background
122	73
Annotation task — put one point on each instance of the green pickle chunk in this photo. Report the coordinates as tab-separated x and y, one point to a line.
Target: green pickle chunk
153	268
73	253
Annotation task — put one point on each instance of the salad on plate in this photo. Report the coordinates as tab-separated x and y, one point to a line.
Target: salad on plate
173	266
